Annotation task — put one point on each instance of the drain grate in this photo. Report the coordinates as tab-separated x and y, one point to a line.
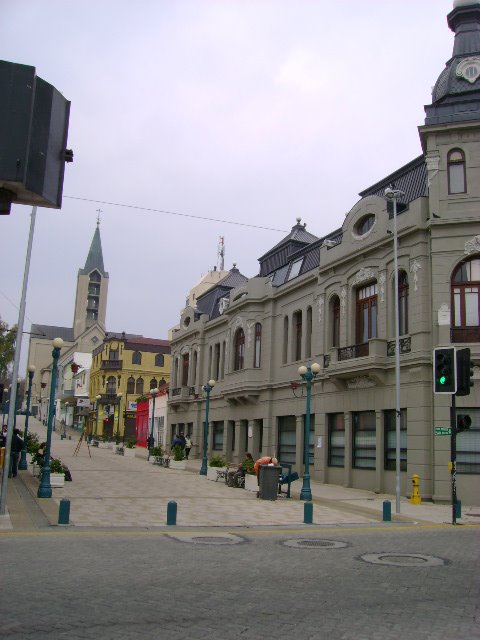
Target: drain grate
403	559
312	543
211	539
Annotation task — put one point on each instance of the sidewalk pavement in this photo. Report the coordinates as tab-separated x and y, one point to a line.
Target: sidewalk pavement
109	490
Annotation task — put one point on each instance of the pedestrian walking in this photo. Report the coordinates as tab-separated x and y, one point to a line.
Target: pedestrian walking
188	446
16	448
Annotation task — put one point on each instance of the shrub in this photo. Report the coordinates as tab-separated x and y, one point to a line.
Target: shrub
216	461
130	443
157	452
56	465
248	466
33	443
177	453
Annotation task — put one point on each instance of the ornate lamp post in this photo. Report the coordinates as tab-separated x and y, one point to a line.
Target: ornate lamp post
308	374
392	195
207	388
98	398
153	393
22	465
45	488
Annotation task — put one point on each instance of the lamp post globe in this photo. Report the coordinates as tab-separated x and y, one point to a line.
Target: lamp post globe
308	374
207	388
153	393
22	465
45	488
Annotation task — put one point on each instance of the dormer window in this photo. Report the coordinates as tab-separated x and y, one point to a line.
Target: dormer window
364	225
457	178
295	269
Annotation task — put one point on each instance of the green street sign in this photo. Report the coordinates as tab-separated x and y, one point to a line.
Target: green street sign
443	431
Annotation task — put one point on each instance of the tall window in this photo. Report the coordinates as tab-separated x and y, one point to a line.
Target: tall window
287	439
364	440
153	383
159	360
457	177
218	436
239	350
336	440
131	385
216	362
297	335
111	385
468	444
136	357
194	367
308	333
258	345
466	301
390	425
285	340
366	313
139	386
185	368
336	321
113	354
402	303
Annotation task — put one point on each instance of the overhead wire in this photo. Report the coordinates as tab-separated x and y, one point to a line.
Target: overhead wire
174	213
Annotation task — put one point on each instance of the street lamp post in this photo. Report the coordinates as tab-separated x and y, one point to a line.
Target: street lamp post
119	413
392	195
45	488
98	398
207	388
153	393
308	374
22	465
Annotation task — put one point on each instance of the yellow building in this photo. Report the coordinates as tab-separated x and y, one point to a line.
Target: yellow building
124	368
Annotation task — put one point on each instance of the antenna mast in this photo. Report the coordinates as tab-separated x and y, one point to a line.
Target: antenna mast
221	253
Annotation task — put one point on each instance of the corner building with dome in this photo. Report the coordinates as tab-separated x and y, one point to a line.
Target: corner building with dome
331	300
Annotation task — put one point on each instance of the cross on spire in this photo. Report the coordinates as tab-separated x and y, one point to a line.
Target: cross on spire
99	211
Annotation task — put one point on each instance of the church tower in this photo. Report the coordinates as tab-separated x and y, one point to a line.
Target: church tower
92	287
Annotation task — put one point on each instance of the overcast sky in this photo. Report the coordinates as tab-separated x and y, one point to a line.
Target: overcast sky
248	111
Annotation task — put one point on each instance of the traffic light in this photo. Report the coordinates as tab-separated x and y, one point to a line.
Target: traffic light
444	370
464	372
464	422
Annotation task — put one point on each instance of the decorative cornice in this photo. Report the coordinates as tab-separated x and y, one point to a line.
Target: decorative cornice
364	274
473	245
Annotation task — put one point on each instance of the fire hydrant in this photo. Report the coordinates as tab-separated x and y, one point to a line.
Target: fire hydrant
415	499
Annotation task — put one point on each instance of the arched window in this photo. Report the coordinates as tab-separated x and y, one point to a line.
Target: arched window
258	345
466	301
335	317
159	360
308	333
111	385
239	350
285	340
297	335
402	303
457	176
153	384
131	385
139	387
136	357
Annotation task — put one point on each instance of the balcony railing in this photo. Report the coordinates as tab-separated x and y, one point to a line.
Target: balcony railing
465	334
405	346
354	351
110	365
108	398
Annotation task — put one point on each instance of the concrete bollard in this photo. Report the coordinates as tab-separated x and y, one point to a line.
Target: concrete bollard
387	511
172	513
64	511
308	512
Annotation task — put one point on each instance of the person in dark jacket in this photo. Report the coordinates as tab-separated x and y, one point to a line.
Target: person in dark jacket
16	448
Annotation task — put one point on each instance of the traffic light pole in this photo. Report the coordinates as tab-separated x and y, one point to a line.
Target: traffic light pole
453	457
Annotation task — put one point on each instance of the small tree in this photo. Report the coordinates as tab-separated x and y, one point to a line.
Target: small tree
7	348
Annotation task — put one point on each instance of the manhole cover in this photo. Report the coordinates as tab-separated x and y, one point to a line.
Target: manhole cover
307	543
403	559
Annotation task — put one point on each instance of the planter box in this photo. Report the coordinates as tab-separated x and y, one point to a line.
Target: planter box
177	464
251	482
213	475
129	453
104	445
57	479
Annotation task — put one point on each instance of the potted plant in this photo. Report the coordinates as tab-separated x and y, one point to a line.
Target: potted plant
57	473
157	452
129	450
178	461
215	464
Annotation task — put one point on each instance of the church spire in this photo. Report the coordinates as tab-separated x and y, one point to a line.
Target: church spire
95	255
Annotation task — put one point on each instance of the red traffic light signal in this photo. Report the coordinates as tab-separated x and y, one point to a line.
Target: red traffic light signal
464	422
444	370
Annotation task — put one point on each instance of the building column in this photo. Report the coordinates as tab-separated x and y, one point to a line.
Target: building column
236	446
347	468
